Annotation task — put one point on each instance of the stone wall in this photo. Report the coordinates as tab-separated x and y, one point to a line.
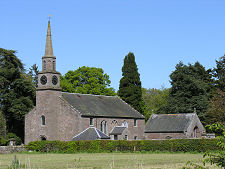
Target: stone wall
11	149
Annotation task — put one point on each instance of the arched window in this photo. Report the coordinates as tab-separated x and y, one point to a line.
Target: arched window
53	64
104	126
43	120
44	64
124	124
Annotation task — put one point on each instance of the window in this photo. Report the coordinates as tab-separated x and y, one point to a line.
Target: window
124	124
104	126
44	65
43	120
91	121
125	137
53	64
135	137
135	122
115	137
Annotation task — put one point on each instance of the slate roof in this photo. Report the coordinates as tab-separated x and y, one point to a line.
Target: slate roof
90	133
118	130
101	106
166	123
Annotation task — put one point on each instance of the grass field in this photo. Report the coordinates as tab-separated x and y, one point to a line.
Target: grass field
102	160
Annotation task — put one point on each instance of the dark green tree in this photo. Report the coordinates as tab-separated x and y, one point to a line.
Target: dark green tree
87	80
219	73
191	88
33	72
130	84
17	92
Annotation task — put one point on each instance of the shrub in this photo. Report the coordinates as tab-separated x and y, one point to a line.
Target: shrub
173	145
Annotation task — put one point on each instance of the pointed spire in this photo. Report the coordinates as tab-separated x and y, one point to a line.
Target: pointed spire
48	46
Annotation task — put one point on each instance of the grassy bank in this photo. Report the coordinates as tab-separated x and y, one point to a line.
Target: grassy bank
102	160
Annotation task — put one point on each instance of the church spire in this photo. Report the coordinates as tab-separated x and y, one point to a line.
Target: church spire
48	46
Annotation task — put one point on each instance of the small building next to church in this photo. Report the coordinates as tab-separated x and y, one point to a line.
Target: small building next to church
174	126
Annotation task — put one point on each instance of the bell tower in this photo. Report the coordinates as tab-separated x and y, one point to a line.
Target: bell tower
48	95
48	78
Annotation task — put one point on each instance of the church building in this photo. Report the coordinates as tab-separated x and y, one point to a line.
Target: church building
71	116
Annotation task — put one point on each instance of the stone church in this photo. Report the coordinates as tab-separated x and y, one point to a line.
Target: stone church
71	116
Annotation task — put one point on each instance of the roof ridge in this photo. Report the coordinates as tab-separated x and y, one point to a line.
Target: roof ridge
89	94
97	132
81	132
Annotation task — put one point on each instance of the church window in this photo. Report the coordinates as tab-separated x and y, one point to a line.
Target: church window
135	122
43	120
44	65
124	124
135	137
91	121
104	126
115	137
53	64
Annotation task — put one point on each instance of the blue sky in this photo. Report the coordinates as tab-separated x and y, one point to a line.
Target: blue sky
99	33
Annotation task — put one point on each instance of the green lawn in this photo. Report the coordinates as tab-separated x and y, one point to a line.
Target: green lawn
102	160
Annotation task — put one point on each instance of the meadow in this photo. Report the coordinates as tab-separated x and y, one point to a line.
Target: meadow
102	160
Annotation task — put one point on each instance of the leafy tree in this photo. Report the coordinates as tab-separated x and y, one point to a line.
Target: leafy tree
219	73
191	88
130	84
17	92
216	110
87	80
156	100
33	72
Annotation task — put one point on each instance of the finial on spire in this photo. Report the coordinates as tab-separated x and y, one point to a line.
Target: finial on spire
49	17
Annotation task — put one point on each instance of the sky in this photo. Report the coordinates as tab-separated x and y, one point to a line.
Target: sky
100	33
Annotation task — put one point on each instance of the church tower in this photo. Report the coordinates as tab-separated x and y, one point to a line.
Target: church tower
48	94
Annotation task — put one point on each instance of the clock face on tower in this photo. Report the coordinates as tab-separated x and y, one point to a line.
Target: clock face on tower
54	80
43	80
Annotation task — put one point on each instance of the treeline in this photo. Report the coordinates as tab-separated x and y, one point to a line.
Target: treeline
193	89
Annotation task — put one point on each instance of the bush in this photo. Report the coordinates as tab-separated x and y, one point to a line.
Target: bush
173	145
12	135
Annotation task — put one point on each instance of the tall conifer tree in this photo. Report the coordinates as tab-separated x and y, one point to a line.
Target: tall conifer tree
130	84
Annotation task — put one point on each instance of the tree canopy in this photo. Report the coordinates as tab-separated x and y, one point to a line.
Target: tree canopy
130	84
156	101
17	92
87	80
190	89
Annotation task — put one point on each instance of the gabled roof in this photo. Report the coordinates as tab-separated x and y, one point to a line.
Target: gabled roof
101	106
166	123
118	130
90	133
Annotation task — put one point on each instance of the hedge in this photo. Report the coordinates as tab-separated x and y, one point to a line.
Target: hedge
173	145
